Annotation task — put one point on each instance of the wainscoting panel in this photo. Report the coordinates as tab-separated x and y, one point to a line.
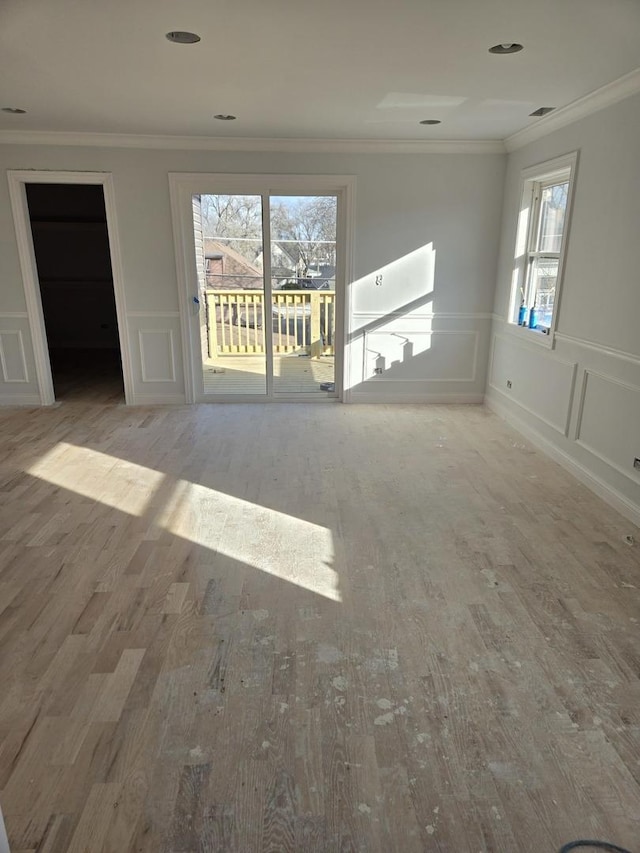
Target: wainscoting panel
12	356
609	421
157	357
535	379
418	357
410	355
18	382
579	402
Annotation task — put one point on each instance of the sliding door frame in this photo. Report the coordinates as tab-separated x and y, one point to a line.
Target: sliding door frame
182	187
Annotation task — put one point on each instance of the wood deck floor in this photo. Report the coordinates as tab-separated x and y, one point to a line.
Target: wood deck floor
309	628
245	374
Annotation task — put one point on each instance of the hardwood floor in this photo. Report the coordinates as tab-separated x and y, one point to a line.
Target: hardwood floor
309	628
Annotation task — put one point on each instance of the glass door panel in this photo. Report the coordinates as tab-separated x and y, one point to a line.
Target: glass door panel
303	285
229	257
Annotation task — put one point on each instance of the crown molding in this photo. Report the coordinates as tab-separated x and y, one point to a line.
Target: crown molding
600	98
230	143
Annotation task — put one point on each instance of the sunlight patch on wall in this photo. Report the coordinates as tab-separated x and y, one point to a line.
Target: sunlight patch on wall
392	317
521	233
402	287
517	291
385	350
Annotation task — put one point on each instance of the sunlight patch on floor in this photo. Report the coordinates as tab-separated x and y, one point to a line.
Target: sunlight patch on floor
281	545
112	481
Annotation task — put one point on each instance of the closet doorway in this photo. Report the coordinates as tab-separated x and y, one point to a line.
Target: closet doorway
69	263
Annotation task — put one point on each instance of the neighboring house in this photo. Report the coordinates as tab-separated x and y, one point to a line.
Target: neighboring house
288	266
291	255
227	269
326	272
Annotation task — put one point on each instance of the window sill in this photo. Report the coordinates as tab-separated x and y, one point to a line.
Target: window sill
534	336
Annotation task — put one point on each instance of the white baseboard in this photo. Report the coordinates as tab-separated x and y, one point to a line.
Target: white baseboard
377	397
612	496
20	400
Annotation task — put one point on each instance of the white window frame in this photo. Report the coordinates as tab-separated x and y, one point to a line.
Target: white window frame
533	180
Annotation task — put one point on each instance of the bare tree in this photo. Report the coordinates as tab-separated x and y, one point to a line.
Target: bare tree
226	217
307	226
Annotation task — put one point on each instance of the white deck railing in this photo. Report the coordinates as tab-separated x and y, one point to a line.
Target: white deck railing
301	320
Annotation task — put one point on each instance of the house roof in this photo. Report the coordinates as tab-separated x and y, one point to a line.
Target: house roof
215	249
282	272
290	249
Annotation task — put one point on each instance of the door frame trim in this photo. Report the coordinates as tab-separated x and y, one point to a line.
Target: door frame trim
184	185
30	279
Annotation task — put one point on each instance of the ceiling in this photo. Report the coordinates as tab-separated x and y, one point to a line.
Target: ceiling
328	69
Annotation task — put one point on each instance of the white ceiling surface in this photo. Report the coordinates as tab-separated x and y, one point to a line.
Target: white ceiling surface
331	69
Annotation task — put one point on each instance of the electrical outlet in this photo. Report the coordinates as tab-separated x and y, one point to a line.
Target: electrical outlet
636	463
508	383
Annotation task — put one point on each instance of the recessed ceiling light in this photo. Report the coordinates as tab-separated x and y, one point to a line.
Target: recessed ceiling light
431	121
223	117
506	47
183	37
542	111
14	110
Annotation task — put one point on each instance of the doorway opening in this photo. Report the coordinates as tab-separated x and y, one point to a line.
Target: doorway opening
64	228
73	259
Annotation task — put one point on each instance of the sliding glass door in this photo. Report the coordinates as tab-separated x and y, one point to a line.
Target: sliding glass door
266	305
303	289
229	257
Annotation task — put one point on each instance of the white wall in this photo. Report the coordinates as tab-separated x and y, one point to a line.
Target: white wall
581	400
449	203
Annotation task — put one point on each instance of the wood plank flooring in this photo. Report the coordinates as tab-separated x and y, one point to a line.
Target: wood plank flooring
309	628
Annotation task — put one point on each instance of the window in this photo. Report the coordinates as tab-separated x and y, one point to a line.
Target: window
541	244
